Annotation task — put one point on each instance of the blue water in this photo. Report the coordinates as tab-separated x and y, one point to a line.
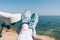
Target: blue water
49	25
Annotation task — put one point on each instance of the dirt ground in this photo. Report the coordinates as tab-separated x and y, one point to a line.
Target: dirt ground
12	35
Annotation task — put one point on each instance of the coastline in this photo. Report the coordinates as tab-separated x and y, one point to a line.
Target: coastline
12	35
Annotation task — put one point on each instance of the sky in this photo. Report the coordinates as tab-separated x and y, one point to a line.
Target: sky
42	7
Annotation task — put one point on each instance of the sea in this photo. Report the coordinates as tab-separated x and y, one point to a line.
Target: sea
49	25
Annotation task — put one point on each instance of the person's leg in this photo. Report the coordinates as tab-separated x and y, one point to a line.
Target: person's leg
26	33
33	23
32	19
33	30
